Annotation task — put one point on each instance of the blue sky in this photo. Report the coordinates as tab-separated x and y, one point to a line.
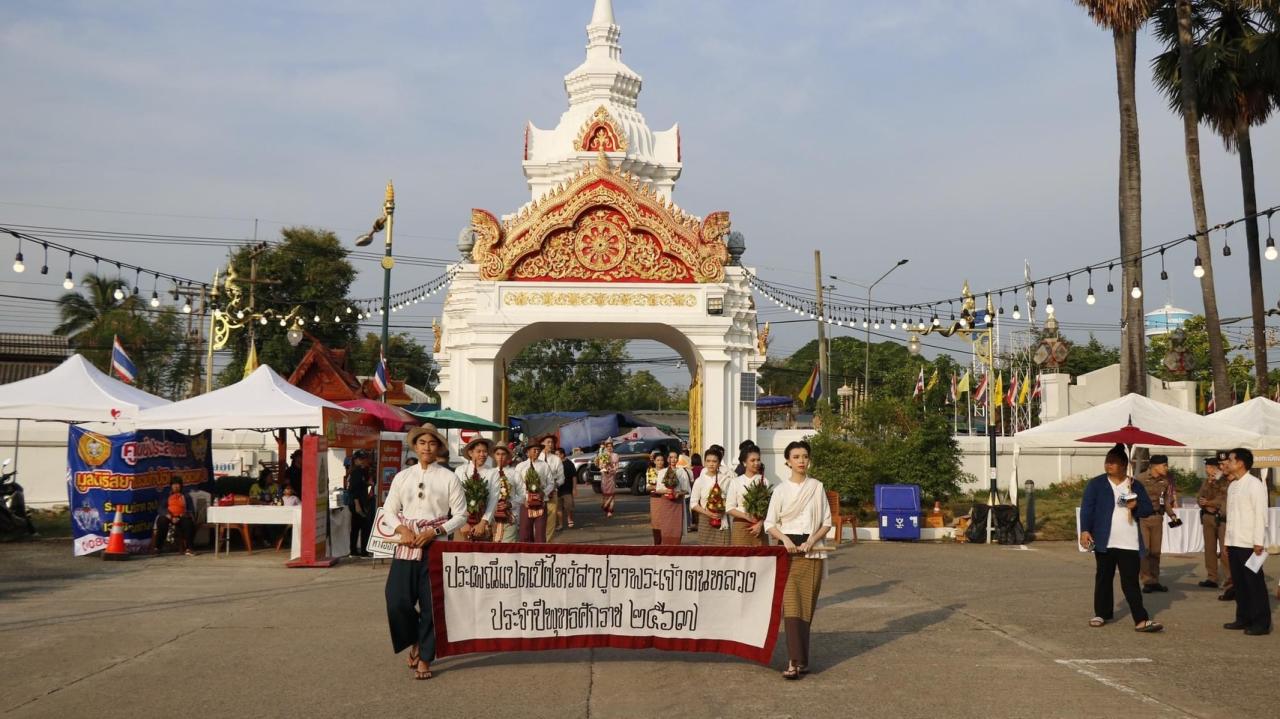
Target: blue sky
967	135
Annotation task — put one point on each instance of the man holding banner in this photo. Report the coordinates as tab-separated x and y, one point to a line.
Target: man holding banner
426	502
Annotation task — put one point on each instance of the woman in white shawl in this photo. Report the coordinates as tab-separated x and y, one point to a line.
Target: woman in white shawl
799	518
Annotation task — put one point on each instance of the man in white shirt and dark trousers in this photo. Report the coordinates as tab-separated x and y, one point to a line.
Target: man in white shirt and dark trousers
427	503
1246	532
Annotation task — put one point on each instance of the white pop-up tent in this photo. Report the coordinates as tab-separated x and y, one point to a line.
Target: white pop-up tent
1192	430
263	400
75	392
1259	415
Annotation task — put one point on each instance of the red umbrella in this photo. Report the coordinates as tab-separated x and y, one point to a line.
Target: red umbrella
393	419
1129	435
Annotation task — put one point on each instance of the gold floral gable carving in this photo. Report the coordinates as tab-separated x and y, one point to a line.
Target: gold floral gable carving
600	134
603	225
555	298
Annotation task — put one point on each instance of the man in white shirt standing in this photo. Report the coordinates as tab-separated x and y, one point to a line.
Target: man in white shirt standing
533	521
427	503
556	471
1246	533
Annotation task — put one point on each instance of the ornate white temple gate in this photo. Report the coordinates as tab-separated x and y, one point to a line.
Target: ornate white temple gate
603	252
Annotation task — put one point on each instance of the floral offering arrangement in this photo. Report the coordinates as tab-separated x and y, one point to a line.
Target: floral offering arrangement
533	488
604	461
755	501
715	504
670	482
651	479
476	492
502	514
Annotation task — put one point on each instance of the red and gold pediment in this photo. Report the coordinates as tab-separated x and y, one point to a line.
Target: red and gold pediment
600	134
602	226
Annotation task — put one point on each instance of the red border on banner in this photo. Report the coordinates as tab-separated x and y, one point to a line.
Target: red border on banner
446	648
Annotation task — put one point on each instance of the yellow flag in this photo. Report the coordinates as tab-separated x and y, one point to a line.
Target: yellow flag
251	362
1025	392
1247	394
963	385
933	380
998	397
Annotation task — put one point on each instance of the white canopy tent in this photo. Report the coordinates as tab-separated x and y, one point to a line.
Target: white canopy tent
75	391
263	400
1192	430
1259	415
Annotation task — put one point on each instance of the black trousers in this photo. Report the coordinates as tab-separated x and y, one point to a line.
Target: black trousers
1127	561
1253	606
360	529
186	529
409	607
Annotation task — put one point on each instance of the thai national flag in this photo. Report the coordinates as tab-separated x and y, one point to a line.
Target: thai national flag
120	362
380	374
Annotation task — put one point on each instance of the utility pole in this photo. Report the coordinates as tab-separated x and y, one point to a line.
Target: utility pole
823	360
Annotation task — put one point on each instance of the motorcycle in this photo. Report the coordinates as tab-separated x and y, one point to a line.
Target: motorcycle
15	520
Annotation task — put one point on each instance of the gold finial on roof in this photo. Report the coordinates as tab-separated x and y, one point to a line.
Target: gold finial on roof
391	192
602	160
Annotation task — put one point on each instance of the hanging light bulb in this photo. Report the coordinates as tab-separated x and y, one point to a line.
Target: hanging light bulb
1048	306
67	282
1017	313
239	314
1198	270
936	321
335	319
262	321
893	324
300	322
1090	298
1271	253
283	323
316	319
186	306
348	309
1136	292
155	299
17	263
876	325
118	294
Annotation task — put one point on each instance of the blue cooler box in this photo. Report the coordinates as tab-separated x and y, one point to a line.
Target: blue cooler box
899	508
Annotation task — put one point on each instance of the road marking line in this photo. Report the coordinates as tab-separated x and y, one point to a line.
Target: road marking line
1139	660
1079	666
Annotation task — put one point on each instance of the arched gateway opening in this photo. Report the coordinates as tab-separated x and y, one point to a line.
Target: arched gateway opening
602	251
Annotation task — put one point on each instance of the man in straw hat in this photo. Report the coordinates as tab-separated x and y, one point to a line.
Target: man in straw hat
477	465
534	513
426	503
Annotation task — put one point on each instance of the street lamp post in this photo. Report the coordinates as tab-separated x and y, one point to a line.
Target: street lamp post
866	367
387	220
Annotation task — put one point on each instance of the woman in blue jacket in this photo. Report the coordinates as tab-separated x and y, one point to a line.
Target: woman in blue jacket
1109	513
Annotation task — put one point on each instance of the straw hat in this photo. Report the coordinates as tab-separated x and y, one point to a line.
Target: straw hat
466	450
430	429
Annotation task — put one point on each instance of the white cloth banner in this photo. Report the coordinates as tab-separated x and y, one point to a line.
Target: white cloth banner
502	597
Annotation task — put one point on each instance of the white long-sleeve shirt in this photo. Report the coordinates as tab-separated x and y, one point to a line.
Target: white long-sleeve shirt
544	471
1246	512
705	481
429	492
799	508
515	492
735	499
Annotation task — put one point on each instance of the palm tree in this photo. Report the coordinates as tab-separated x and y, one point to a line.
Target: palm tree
1237	85
1175	75
1124	18
91	319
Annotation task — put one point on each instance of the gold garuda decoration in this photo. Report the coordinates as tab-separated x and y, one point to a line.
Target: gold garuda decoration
602	225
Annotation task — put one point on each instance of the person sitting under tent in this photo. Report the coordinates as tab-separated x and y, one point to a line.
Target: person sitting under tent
178	510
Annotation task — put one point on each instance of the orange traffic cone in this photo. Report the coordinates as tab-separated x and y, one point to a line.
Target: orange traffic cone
115	543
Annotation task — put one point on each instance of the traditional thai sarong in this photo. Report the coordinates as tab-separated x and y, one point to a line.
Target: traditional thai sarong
666	516
800	596
740	537
713	536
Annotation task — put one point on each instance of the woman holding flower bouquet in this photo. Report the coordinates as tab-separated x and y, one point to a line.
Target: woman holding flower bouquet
535	477
477	483
710	491
748	502
668	486
799	517
607	463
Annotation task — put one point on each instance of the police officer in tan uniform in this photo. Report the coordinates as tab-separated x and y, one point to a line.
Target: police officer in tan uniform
1212	499
1163	494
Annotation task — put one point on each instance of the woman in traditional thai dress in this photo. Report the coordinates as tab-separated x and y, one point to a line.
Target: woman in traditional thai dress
607	463
668	486
710	492
747	530
799	518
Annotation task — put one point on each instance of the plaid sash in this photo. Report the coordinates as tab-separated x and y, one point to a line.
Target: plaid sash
403	551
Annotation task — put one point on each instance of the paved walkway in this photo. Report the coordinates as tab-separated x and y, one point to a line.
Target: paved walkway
901	631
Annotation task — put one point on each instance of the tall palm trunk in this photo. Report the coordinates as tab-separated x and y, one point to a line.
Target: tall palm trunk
1191	137
1245	148
1133	373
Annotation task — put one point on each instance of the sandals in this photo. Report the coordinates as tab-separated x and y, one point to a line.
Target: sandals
792	672
413	658
570	525
1097	622
419	673
1149	627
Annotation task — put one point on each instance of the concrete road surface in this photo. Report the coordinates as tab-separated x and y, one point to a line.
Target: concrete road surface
902	630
